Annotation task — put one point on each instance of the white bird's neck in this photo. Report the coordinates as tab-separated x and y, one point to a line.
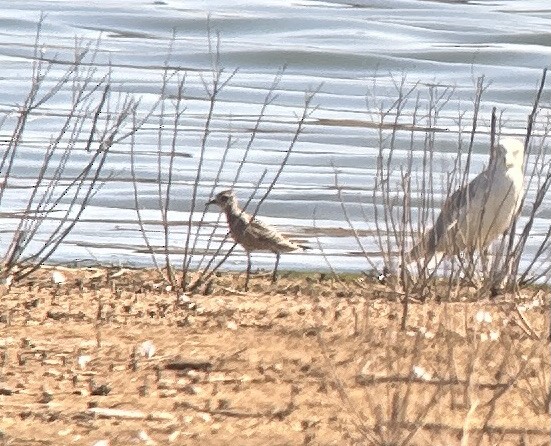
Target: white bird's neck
503	173
501	167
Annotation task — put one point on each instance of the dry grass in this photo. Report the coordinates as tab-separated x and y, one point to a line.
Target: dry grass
309	360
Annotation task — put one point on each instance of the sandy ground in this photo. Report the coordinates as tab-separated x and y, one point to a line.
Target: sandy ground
110	357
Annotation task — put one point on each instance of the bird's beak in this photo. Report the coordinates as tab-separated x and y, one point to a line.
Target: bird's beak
210	202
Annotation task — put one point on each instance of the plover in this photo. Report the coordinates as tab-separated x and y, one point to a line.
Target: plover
251	233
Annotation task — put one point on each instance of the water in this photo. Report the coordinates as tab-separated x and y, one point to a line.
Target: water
354	53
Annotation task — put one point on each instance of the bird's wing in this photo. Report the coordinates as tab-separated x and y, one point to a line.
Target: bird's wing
453	209
263	230
473	191
269	235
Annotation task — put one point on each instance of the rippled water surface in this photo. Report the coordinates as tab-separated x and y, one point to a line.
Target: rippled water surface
357	54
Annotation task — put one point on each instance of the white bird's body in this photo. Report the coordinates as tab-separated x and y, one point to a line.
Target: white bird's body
475	215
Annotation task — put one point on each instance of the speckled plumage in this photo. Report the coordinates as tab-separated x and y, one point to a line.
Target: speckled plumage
251	233
476	214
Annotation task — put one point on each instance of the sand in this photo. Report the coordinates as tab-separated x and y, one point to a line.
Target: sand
114	357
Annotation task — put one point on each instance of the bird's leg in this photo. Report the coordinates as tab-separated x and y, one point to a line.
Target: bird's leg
496	278
487	261
248	271
274	275
470	270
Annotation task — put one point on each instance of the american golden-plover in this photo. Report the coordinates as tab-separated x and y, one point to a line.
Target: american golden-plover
474	215
251	233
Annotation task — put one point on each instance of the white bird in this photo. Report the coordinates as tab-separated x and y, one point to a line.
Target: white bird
476	214
251	233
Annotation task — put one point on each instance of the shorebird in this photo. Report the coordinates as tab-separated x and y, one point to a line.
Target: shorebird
477	213
251	233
